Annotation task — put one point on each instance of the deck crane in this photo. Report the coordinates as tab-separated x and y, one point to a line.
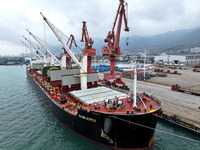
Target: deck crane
113	49
45	60
38	56
82	65
70	41
88	46
52	56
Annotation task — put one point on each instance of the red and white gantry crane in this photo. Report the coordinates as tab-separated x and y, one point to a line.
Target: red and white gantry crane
113	49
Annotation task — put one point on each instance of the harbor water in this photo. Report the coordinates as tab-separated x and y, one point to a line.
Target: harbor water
27	124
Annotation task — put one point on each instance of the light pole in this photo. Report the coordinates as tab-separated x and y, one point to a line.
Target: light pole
144	65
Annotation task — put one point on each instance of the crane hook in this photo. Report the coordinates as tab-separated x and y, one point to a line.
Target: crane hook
127	39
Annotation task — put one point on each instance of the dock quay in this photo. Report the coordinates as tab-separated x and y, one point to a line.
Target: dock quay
188	79
178	108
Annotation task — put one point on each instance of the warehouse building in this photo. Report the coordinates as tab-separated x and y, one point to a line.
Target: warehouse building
170	59
193	59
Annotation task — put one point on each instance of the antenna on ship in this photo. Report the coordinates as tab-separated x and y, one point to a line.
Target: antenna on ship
135	86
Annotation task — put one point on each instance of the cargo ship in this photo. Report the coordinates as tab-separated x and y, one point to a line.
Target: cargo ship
100	113
103	112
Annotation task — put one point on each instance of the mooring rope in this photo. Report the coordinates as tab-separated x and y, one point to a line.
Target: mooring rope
155	129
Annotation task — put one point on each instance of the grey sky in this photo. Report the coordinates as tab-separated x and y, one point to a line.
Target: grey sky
145	18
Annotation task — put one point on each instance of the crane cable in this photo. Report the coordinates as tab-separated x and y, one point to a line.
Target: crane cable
63	36
30	45
156	129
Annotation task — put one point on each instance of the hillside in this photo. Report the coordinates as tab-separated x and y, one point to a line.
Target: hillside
176	40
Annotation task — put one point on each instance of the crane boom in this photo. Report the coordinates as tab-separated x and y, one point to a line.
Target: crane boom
85	36
63	44
45	47
121	13
71	40
31	50
112	48
36	48
121	9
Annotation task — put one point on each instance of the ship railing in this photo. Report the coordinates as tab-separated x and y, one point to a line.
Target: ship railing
156	99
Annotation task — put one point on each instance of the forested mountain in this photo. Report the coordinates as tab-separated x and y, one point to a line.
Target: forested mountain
176	40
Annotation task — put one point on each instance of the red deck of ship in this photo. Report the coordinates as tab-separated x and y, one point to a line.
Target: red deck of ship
151	106
127	109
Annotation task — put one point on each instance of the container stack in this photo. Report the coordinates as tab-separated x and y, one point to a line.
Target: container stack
140	75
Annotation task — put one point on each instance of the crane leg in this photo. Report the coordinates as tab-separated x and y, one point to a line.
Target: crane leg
112	64
89	61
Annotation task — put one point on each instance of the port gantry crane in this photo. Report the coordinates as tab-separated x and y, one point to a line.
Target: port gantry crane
113	49
70	41
89	50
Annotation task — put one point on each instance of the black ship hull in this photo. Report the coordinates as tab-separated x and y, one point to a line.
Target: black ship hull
119	131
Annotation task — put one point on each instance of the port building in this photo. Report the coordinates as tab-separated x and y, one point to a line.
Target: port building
193	59
170	59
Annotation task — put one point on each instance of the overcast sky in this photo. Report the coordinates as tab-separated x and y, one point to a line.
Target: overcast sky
145	18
